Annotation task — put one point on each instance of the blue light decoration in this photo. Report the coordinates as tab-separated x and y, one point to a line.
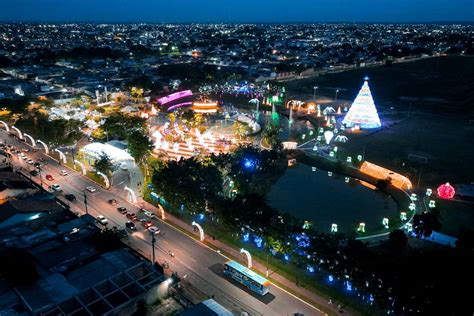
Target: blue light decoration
258	241
310	268
246	237
330	278
371	298
182	207
348	286
201	216
249	164
273	251
363	112
150	186
303	240
286	257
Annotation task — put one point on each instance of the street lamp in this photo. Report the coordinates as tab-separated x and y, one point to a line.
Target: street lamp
314	92
337	91
153	239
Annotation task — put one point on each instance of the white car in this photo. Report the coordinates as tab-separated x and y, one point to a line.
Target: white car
149	214
154	230
30	161
91	189
63	172
101	219
56	187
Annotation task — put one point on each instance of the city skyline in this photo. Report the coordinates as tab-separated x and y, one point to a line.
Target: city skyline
277	11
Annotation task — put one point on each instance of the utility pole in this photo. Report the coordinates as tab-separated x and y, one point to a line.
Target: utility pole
153	249
85	201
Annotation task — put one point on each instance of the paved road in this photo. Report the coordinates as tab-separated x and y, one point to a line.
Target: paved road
201	265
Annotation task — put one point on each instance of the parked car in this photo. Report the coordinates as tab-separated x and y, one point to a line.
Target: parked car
34	173
149	214
30	161
122	210
154	230
131	225
63	172
132	216
91	189
56	187
112	201
49	177
70	197
101	219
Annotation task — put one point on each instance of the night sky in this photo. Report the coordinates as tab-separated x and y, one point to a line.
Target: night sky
237	11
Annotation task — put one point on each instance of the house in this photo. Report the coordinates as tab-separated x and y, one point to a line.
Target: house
17	212
14	185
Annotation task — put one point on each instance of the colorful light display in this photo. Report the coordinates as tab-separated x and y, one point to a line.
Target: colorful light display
174	96
446	191
363	112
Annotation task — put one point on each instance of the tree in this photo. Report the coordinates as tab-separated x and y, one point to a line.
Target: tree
119	125
397	239
241	129
270	134
139	146
104	164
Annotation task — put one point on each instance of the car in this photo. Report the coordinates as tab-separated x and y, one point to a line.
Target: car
63	172
112	201
132	216
122	210
30	161
91	189
37	165
56	187
101	219
70	197
34	173
49	177
149	214
130	225
146	222
153	230
25	150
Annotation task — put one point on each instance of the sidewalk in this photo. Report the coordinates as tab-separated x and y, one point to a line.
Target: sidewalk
290	287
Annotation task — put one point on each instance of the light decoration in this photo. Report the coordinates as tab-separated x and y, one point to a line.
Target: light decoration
409	227
340	138
349	159
347	179
249	257
286	257
361	228
310	268
205	107
179	105
446	191
306	225
174	96
246	237
348	286
313	169
328	135
331	153
403	216
333	228
330	278
432	204
335	149
363	112
5	125
258	241
385	222
381	173
329	173
412	206
359	158
201	231
303	240
315	148
413	197
429	192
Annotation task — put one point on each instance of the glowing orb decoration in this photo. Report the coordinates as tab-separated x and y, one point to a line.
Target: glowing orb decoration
330	278
446	191
328	135
333	228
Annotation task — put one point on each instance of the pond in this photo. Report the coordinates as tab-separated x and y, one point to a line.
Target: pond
323	200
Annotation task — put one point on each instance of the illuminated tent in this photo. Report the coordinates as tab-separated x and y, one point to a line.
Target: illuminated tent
363	112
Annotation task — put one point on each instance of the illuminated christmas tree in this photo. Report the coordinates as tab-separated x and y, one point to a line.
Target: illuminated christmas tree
363	112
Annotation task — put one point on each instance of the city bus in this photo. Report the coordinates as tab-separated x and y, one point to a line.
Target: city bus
247	277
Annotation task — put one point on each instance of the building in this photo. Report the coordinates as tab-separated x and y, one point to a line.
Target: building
14	185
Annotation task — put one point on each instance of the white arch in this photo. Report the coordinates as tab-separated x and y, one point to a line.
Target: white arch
106	180
33	143
5	125
249	257
201	231
46	149
83	169
18	131
131	197
162	212
62	156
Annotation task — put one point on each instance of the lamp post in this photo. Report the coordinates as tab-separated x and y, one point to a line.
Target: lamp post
337	91
314	92
153	239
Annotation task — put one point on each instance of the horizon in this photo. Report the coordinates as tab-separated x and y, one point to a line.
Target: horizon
248	11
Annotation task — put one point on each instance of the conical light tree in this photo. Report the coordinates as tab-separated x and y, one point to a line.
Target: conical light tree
363	112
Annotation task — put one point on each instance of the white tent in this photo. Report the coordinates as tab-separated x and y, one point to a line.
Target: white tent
95	150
